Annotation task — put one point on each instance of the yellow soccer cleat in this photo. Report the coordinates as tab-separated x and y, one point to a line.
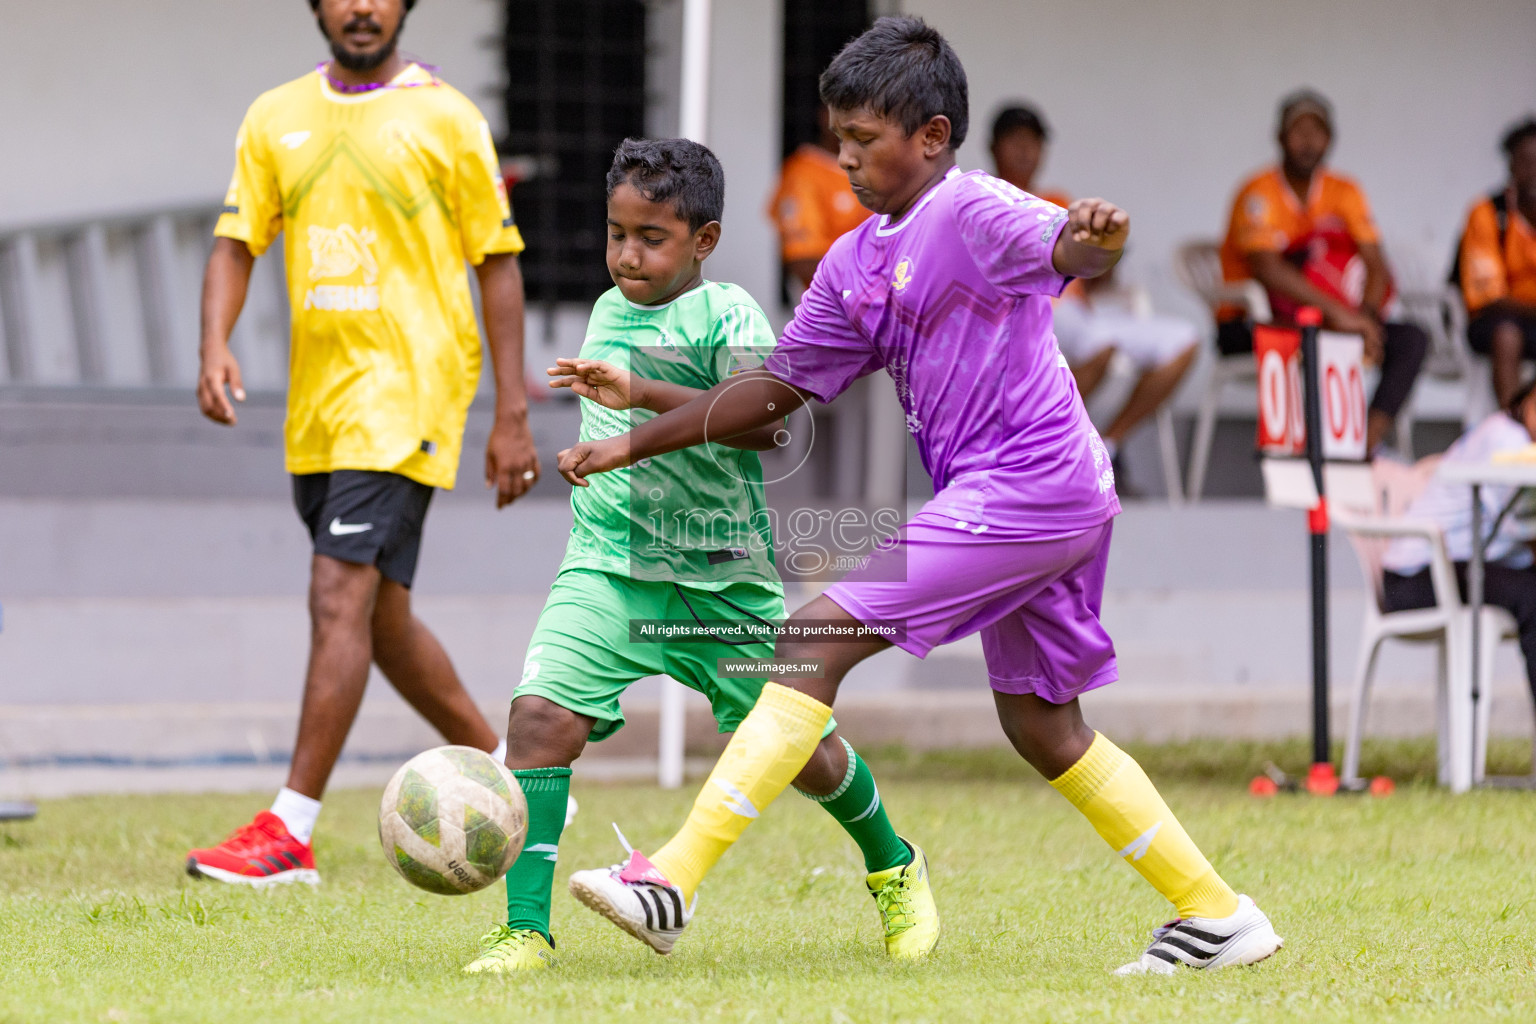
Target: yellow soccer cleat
907	910
508	951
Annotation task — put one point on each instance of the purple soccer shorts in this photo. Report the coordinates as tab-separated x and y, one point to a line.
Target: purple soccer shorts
1035	602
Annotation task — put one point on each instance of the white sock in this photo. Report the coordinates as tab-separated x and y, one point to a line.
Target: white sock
298	813
500	753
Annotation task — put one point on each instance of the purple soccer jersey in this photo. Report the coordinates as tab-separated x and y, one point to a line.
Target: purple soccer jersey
953	301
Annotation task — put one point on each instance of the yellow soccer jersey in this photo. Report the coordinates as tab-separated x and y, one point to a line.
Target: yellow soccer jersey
381	197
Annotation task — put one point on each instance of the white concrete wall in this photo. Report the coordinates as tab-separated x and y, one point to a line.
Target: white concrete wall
1162	106
112	107
745	91
1165	106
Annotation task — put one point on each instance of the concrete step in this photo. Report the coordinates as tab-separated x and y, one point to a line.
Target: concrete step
59	750
209	650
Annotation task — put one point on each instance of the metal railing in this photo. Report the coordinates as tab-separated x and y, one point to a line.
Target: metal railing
107	307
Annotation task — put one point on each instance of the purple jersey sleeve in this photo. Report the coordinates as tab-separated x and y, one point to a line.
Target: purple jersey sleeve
821	351
1010	234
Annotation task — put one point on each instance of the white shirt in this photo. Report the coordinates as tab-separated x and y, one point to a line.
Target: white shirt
1450	505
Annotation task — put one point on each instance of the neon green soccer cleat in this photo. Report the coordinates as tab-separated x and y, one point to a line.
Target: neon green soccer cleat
508	951
907	909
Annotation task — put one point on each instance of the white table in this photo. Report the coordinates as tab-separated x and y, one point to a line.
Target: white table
1521	476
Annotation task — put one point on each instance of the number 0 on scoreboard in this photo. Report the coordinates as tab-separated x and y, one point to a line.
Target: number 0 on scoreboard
1341	385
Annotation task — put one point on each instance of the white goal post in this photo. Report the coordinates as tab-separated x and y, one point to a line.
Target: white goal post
693	121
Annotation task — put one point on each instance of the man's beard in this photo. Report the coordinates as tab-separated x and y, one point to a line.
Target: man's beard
363	61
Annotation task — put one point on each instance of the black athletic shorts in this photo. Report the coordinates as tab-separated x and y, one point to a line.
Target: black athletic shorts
365	517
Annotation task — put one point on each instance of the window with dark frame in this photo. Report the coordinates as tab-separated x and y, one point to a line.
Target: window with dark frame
814	30
575	90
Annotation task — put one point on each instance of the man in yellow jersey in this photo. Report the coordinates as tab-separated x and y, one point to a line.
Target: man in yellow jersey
383	181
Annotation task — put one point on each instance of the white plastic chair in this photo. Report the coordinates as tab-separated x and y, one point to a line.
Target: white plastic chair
1198	264
1447	625
1425	298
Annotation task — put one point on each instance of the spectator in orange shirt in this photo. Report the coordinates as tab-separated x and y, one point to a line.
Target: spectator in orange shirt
1496	266
1019	138
813	204
1306	234
1091	325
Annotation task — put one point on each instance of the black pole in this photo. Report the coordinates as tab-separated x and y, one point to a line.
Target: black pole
1317	524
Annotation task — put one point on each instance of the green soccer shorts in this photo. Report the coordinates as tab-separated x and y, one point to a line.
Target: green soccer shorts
581	657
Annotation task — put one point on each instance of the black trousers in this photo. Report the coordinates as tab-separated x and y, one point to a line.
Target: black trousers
1403	353
1514	590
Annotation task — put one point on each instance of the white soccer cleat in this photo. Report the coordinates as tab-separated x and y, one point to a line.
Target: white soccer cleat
1243	937
638	899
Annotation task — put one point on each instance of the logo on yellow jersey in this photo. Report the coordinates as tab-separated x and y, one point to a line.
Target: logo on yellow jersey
341	252
397	138
903	276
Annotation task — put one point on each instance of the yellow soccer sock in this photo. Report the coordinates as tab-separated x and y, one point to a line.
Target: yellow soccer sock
1124	807
771	746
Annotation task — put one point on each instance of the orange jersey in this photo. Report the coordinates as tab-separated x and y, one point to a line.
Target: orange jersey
814	205
1491	271
1267	216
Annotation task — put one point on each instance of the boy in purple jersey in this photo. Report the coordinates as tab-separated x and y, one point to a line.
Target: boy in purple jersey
948	290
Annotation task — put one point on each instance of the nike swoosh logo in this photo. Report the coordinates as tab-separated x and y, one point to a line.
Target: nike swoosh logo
341	529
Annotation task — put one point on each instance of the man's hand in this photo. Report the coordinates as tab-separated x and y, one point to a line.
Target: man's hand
219	371
597	381
511	461
588	457
1099	223
1369	328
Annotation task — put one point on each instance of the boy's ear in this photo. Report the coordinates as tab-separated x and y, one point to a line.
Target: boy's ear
705	239
935	136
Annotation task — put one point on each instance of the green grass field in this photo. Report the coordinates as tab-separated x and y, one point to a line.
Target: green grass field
1414	908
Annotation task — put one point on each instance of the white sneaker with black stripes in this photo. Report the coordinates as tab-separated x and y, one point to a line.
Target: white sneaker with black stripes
1243	937
636	897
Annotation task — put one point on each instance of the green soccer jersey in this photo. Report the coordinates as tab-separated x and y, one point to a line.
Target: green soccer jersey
696	516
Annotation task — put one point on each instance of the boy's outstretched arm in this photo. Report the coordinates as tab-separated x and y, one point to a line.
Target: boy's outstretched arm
729	409
608	385
1093	239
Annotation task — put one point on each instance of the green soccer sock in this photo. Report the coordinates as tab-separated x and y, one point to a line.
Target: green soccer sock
532	876
856	806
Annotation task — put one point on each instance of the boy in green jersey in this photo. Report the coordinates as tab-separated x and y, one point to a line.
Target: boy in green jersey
686	542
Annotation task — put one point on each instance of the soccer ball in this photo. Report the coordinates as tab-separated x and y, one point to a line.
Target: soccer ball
452	820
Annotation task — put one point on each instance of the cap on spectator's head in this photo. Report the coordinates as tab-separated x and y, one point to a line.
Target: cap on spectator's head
1019	116
1515	137
1303	102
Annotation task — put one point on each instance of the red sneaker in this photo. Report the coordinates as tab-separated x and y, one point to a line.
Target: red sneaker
260	854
